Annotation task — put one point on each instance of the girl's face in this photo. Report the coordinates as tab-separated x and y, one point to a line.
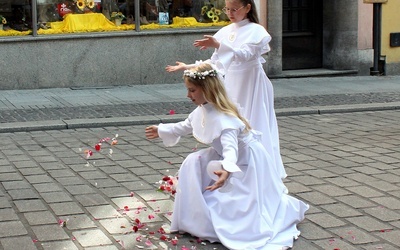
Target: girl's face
236	11
195	93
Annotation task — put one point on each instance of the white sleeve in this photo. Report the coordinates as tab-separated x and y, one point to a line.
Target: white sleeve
229	142
171	133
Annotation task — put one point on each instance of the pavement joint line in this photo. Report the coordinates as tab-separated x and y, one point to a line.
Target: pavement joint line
156	119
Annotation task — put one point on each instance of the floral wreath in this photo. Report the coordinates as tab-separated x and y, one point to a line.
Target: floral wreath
199	74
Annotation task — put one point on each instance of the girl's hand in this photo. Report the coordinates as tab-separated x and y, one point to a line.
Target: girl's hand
207	42
178	66
151	132
222	177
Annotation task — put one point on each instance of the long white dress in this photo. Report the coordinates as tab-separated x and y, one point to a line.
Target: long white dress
239	58
255	213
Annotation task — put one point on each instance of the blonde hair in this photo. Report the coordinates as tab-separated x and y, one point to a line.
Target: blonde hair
214	91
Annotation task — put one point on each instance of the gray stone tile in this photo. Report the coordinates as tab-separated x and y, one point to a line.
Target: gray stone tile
117	225
20	243
354	235
30	205
88	200
49	233
23	194
369	224
66	208
389	202
12	228
40	218
91	238
47	187
59	244
53	197
7	214
9	185
326	220
78	221
103	212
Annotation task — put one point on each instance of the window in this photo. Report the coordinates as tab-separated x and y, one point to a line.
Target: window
75	16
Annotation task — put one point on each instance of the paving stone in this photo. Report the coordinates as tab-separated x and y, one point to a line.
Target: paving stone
103	212
391	236
7	214
341	210
40	218
8	185
117	225
12	228
369	224
33	179
326	220
49	232
80	189
365	191
331	190
354	235
113	192
78	221
380	246
66	208
47	187
67	245
23	194
20	243
90	238
10	177
30	205
53	197
389	202
4	203
334	243
69	181
356	201
311	231
104	183
316	198
88	200
383	213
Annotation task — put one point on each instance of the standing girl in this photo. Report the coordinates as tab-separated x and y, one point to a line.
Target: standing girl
238	52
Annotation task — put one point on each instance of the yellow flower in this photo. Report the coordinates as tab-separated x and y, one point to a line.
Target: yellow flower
81	4
204	10
210	14
3	19
90	4
215	19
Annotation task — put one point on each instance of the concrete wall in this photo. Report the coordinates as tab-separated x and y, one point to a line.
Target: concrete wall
96	59
340	34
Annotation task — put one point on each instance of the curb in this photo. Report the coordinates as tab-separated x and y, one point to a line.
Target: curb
156	119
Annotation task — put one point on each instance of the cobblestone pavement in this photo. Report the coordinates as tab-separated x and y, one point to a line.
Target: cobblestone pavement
345	165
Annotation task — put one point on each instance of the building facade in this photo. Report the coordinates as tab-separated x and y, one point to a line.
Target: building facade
71	46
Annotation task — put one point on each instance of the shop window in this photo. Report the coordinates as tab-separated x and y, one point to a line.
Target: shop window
76	16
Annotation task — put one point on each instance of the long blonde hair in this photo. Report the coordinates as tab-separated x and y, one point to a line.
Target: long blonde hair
214	91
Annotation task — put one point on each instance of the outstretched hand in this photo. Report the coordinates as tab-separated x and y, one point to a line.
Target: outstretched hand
222	177
151	132
207	42
178	66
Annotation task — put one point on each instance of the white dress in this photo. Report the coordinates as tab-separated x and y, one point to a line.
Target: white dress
239	58
255	213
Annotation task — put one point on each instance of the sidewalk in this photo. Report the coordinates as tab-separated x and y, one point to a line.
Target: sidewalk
54	195
22	110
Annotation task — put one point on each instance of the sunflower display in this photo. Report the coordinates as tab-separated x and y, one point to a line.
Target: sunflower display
210	13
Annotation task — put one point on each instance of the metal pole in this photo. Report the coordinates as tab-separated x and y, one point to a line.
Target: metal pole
376	37
34	17
137	15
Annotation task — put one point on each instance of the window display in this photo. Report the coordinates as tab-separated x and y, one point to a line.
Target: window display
70	16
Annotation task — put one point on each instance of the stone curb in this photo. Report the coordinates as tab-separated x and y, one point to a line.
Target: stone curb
156	119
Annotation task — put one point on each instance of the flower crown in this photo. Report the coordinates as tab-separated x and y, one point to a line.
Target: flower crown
200	74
